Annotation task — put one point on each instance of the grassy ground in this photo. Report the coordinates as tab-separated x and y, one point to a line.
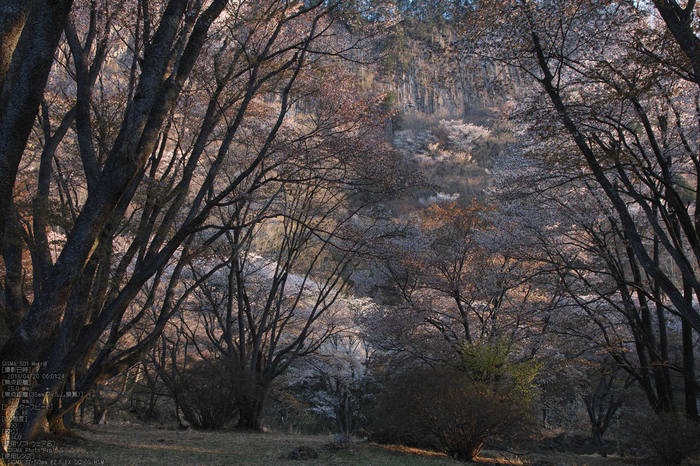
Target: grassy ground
147	445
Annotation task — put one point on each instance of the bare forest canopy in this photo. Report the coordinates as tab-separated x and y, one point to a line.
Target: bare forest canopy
225	213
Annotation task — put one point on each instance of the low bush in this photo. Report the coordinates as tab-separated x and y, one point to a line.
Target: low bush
206	393
456	408
444	410
672	437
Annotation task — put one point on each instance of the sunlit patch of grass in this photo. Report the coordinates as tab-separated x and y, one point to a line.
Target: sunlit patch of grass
401	449
398	449
495	461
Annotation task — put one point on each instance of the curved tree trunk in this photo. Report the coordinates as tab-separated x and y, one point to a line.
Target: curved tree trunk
13	15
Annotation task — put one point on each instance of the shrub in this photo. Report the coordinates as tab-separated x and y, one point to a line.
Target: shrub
206	392
489	364
456	408
671	436
444	410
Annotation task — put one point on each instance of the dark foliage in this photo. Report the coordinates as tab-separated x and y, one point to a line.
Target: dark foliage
443	409
673	438
206	391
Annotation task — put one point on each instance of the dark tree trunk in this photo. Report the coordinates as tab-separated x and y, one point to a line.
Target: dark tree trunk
48	318
250	408
190	416
690	392
13	14
24	81
13	249
601	406
662	373
600	417
99	415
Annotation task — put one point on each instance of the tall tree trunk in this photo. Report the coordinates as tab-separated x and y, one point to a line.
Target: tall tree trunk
190	416
24	80
13	14
13	249
35	339
250	408
691	398
99	415
662	373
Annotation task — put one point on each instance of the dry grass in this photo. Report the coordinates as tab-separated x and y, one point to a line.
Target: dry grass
148	445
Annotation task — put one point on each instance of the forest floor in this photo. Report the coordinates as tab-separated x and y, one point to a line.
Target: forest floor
126	445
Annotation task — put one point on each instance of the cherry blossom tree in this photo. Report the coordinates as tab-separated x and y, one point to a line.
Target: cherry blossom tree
606	307
447	280
337	381
147	104
265	292
609	100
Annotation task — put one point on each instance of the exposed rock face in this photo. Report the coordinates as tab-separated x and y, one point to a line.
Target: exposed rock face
437	90
422	77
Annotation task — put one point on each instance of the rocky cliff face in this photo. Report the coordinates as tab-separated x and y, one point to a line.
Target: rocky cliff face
421	77
446	114
427	88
